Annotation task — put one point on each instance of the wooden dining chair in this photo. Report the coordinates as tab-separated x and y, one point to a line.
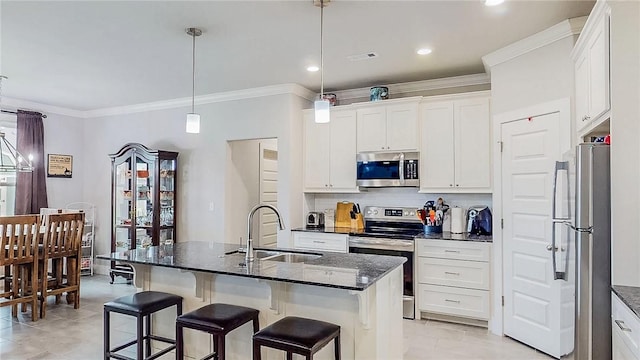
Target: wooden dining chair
62	247
19	257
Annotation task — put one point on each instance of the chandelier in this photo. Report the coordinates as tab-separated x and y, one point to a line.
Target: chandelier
10	158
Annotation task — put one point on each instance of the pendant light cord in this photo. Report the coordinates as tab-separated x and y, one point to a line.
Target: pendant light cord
321	49
193	74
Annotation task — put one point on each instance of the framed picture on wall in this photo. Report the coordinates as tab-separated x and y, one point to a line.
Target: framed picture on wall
59	165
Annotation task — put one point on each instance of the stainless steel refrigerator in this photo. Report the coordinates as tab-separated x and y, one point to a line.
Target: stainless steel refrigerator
583	238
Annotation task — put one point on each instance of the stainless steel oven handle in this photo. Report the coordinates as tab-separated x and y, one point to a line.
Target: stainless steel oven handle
381	244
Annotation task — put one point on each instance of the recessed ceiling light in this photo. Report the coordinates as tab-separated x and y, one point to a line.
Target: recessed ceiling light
493	2
312	68
424	51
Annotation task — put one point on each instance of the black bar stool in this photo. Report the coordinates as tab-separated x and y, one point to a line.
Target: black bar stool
218	320
297	335
141	305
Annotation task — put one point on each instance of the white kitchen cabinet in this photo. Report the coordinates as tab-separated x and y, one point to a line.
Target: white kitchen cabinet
388	127
455	152
453	280
591	68
310	240
330	152
625	331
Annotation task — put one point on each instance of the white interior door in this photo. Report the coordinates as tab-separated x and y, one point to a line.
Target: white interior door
532	299
268	232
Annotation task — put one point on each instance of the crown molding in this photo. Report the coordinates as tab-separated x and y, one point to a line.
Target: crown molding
415	86
282	89
15	104
566	28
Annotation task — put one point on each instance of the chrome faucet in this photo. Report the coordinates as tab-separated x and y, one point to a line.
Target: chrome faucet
249	255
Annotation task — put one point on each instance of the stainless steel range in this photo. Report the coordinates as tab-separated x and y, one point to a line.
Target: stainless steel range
391	231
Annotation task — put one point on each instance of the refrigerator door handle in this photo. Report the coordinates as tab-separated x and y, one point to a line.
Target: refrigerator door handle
560	166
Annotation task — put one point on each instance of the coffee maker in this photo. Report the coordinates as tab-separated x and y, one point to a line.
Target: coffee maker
479	220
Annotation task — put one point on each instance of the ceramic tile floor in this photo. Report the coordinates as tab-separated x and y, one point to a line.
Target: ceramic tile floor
79	336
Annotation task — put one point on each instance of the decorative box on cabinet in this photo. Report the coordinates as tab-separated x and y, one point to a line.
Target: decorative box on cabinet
330	153
625	331
453	280
143	200
456	144
591	68
388	127
304	240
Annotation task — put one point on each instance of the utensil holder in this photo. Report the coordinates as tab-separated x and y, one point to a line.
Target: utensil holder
435	229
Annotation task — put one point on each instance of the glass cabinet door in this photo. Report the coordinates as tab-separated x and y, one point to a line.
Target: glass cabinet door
144	202
123	206
167	199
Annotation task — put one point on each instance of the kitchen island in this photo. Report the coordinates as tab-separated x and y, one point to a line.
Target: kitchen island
361	293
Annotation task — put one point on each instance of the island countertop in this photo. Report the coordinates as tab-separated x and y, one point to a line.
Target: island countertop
336	270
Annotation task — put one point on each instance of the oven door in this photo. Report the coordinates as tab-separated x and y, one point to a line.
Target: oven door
391	247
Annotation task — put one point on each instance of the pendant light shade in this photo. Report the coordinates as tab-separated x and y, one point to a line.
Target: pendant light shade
193	123
321	106
193	119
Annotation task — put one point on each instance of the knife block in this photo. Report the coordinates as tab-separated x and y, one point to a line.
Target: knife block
357	223
343	217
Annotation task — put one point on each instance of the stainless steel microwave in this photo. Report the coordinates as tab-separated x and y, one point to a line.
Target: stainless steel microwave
388	169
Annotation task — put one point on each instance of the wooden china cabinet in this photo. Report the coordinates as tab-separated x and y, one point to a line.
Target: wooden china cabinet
143	201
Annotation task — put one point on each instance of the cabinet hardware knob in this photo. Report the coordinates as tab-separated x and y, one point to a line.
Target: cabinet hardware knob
549	247
382	148
457	184
451	273
452	251
453	301
451	185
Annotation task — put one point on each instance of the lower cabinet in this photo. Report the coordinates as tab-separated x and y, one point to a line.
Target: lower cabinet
625	330
303	240
453	280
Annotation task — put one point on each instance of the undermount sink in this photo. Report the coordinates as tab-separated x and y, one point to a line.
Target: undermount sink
292	257
281	256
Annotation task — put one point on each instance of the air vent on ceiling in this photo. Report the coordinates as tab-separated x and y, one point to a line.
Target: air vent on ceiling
365	56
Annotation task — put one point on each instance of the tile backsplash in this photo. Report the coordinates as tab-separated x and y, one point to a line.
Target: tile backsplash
400	197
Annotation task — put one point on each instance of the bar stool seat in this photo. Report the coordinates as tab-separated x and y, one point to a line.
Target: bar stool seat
297	335
141	305
217	320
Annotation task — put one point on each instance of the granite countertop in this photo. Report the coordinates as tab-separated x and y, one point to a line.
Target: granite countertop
445	235
331	230
630	295
336	270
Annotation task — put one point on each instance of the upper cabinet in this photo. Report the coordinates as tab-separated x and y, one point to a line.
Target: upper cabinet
391	127
330	153
456	144
591	66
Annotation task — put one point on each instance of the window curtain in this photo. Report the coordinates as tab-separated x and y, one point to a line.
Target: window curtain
31	187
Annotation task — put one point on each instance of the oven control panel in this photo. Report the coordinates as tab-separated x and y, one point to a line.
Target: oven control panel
390	213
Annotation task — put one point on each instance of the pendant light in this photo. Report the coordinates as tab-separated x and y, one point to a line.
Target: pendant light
193	119
321	106
10	158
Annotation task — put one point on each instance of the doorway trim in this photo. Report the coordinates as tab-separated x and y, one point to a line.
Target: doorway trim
563	108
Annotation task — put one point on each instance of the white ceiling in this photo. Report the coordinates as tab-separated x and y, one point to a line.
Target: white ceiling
87	55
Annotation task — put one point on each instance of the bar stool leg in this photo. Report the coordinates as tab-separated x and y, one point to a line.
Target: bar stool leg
221	348
336	341
179	342
147	342
140	335
256	351
106	338
289	355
